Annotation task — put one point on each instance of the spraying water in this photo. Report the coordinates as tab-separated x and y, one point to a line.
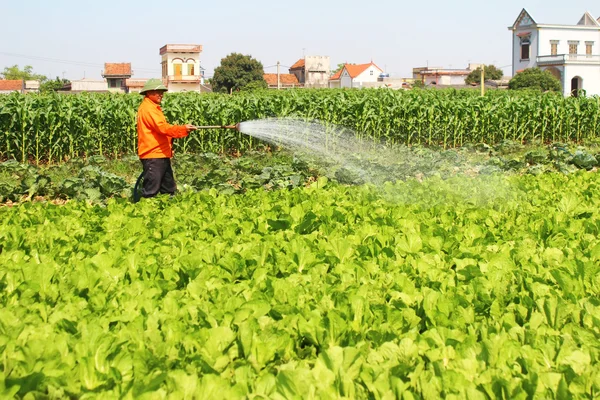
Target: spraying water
341	153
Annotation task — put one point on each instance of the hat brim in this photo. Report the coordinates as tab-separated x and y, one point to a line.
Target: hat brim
156	90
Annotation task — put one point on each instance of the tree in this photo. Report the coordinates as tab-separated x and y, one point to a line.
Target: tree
14	73
490	72
535	78
236	72
53	85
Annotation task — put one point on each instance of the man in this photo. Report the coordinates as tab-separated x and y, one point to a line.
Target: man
155	136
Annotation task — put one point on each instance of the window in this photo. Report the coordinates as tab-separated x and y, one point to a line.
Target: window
525	50
588	49
190	69
371	73
553	47
177	70
525	43
573	49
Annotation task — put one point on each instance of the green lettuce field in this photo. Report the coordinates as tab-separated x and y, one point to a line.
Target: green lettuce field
478	288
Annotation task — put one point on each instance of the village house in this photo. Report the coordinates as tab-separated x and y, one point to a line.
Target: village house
443	76
281	81
181	71
18	85
116	75
569	52
312	71
355	75
85	85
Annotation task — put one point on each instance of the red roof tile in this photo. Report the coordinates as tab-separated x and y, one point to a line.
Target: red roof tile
117	69
354	70
11	84
284	79
299	64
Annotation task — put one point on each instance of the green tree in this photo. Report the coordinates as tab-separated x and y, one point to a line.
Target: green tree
236	72
53	85
490	72
535	78
15	73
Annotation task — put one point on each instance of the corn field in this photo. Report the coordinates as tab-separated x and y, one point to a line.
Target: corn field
53	127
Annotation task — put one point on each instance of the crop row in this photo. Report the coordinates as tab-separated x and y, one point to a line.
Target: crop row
54	127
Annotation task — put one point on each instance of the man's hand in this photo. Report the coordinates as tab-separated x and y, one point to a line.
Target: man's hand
190	127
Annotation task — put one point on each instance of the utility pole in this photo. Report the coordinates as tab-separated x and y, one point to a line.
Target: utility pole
482	80
278	80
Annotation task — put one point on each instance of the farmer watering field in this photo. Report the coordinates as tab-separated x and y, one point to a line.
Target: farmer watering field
155	141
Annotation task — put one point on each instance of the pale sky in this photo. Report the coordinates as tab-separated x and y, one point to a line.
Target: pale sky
75	38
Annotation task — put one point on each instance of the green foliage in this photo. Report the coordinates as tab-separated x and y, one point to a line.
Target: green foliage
535	78
53	85
15	73
491	72
40	127
460	288
236	72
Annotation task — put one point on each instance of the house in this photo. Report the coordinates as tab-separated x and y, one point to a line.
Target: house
443	76
284	81
86	85
181	69
11	85
116	74
135	85
569	52
312	71
354	75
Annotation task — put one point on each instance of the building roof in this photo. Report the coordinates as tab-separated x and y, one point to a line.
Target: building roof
135	82
284	79
11	84
180	48
298	64
117	69
354	70
438	72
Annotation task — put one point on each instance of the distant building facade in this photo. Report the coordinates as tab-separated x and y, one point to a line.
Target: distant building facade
86	85
181	69
116	75
355	75
442	76
569	52
281	81
312	71
18	85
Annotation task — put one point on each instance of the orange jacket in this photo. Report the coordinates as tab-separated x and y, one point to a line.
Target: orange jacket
155	134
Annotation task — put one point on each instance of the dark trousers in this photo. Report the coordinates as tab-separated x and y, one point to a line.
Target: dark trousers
158	177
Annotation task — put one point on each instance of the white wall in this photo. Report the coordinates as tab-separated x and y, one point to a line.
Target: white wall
519	64
369	75
564	36
317	71
89	85
590	75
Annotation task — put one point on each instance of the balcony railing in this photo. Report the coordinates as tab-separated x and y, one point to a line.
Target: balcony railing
184	78
568	59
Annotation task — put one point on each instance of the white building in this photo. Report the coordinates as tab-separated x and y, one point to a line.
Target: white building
86	85
181	69
354	75
569	52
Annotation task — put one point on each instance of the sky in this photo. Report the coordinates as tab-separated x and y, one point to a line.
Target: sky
73	39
